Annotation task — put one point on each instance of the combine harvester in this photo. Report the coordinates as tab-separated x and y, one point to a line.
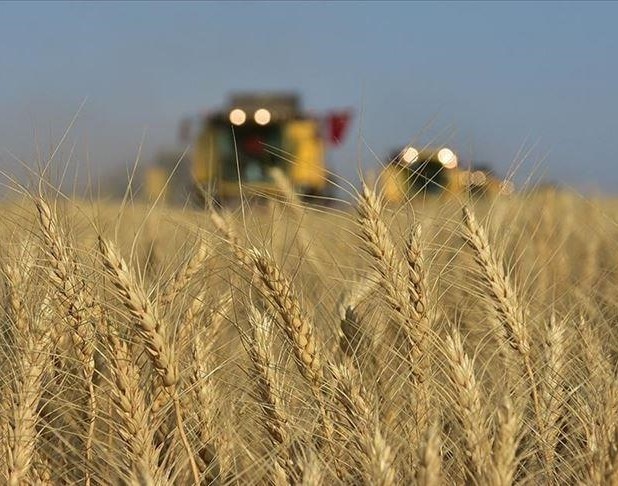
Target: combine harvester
414	172
236	148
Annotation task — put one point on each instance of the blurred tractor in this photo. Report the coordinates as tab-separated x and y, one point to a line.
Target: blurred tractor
436	171
237	147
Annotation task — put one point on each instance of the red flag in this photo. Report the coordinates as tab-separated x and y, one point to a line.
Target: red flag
337	126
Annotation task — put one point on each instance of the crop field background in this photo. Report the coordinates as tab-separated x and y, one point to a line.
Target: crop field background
443	341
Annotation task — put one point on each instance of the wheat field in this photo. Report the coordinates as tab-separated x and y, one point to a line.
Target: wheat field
444	341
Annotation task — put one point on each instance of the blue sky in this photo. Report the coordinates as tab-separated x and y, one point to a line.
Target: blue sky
492	80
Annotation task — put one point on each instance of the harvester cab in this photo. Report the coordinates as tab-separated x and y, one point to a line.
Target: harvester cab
237	147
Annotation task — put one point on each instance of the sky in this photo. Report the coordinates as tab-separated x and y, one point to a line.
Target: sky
530	87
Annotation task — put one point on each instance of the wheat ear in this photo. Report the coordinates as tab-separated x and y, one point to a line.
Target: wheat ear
603	385
300	332
202	343
225	229
276	421
133	426
185	273
429	460
470	411
297	326
303	240
363	422
404	291
151	330
503	298
354	341
33	354
312	470
17	269
64	273
552	391
504	461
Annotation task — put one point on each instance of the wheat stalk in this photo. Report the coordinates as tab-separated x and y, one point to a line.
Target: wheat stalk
468	405
151	330
184	274
404	291
552	392
134	426
429	472
504	463
202	363
363	423
504	299
276	421
17	270
64	273
33	353
297	326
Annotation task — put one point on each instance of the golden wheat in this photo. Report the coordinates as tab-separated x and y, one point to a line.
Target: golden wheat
379	358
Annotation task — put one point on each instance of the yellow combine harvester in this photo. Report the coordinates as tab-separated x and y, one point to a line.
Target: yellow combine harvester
252	135
435	171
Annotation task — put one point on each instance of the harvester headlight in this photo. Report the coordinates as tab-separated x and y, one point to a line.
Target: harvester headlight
262	116
410	155
238	116
447	158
